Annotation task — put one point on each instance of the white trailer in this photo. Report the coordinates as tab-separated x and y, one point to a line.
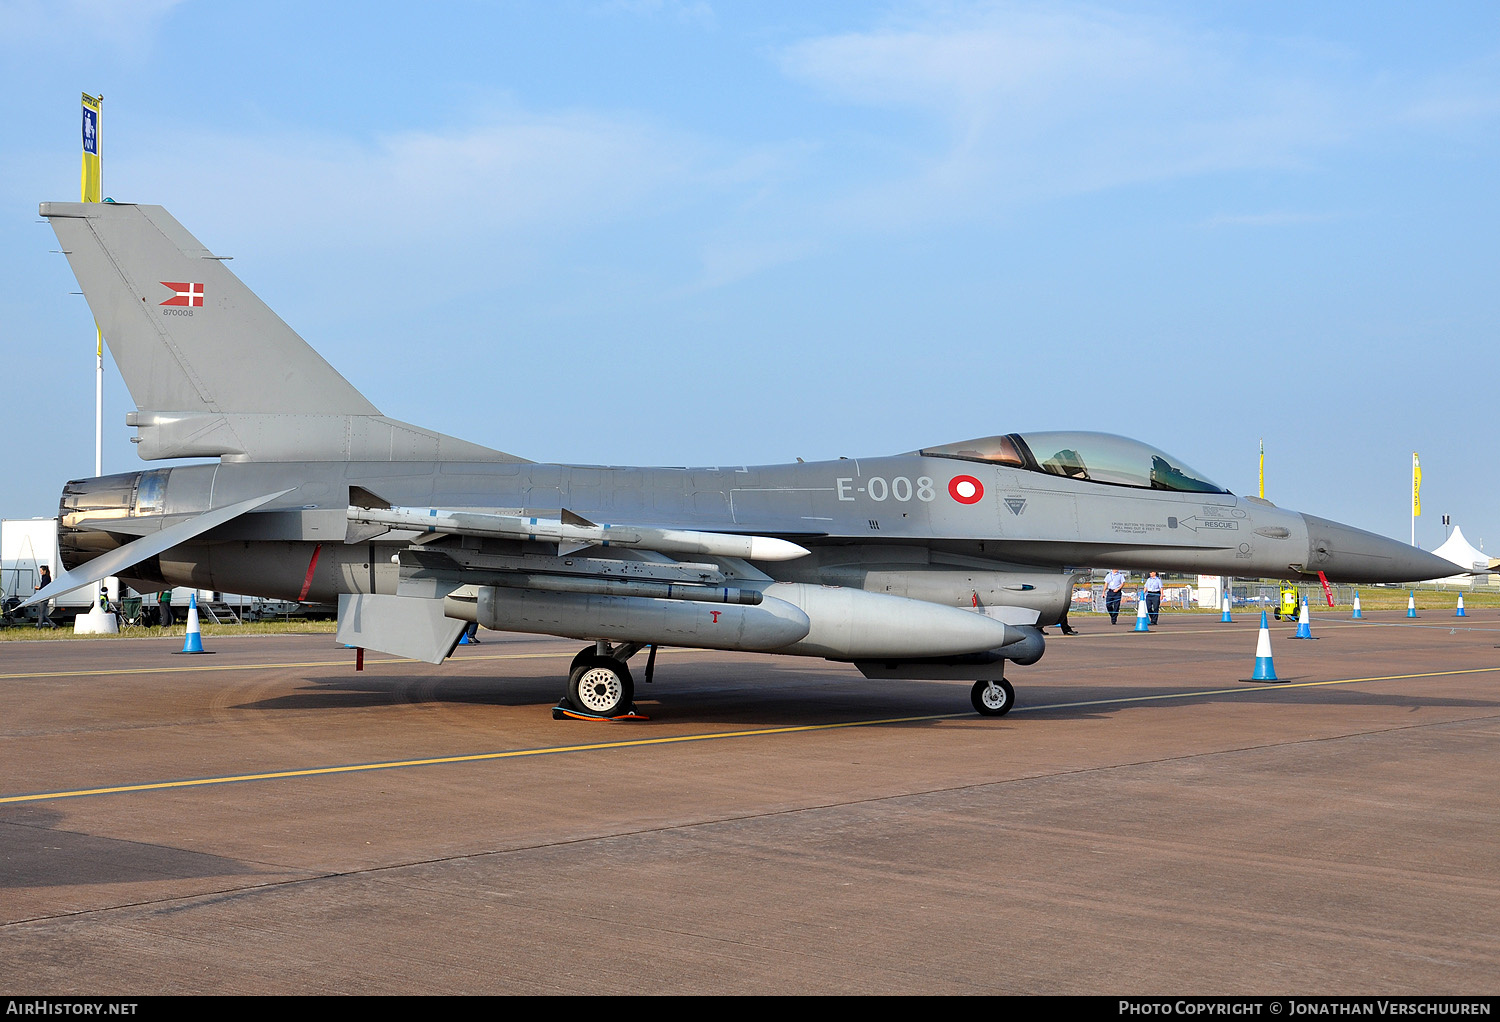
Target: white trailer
28	543
25	545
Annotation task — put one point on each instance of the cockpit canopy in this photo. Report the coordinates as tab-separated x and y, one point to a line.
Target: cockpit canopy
1096	457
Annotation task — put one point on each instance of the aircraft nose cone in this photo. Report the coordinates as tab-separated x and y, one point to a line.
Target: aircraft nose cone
1347	554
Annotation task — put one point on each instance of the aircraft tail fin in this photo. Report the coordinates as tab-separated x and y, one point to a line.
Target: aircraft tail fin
213	371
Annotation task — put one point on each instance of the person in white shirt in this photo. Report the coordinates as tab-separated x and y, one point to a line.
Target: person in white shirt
1114	583
1153	596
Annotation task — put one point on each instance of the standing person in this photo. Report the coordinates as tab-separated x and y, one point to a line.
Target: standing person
44	609
1153	596
1114	584
164	608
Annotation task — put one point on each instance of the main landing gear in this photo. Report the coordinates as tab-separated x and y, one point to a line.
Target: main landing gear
599	682
993	698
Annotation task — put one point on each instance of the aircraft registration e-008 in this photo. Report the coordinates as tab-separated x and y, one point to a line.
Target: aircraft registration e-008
943	563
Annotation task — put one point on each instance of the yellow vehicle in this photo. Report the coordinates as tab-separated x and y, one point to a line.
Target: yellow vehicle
1290	603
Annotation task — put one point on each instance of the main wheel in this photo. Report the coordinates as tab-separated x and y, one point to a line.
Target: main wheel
993	698
601	686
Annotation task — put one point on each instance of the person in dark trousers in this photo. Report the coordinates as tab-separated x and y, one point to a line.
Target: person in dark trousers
164	608
1153	596
1114	585
43	616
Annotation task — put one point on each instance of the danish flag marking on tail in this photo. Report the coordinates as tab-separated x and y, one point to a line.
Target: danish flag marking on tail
186	293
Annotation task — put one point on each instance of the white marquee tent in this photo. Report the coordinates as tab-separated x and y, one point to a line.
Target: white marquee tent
1462	553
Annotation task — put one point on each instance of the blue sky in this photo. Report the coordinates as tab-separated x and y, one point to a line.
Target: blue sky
707	233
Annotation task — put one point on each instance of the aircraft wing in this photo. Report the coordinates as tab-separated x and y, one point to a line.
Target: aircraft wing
132	553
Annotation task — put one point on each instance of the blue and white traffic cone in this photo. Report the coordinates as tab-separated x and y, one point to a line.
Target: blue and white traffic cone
1411	604
193	643
463	639
1142	622
1224	617
1304	622
1264	669
1357	612
1460	612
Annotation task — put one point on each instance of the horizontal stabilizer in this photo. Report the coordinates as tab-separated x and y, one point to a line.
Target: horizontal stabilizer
399	625
117	560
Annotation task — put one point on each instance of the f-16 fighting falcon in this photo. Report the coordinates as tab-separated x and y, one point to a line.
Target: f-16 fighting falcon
941	563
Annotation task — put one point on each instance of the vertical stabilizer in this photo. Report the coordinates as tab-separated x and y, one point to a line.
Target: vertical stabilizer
213	371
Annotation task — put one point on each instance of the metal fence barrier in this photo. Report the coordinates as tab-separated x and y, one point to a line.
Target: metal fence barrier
1257	594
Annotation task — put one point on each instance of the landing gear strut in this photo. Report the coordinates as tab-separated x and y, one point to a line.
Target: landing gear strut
993	698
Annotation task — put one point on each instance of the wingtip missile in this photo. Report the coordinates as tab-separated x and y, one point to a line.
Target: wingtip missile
768	548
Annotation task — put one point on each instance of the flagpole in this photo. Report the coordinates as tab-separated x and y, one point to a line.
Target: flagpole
91	189
99	405
99	334
1416	494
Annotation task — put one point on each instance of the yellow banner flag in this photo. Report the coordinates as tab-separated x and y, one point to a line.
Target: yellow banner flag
1416	485
92	177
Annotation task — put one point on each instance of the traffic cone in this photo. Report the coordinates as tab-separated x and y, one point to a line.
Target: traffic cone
1460	612
463	639
1224	617
1304	623
193	643
1357	612
1411	604
1264	669
1142	622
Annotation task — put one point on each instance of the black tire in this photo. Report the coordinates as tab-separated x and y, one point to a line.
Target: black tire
992	698
601	686
585	655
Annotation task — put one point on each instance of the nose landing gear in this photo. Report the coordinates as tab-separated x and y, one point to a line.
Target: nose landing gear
992	698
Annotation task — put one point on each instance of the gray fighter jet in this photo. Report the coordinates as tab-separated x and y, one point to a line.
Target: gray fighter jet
942	563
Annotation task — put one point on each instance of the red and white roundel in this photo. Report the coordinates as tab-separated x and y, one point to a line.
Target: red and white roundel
966	489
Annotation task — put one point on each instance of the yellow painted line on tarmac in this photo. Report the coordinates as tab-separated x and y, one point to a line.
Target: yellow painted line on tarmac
480	757
1273	686
200	666
200	782
197	666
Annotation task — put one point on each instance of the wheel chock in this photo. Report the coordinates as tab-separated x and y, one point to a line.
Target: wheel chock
562	711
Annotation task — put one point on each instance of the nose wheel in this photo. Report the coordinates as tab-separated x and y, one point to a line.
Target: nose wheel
993	698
